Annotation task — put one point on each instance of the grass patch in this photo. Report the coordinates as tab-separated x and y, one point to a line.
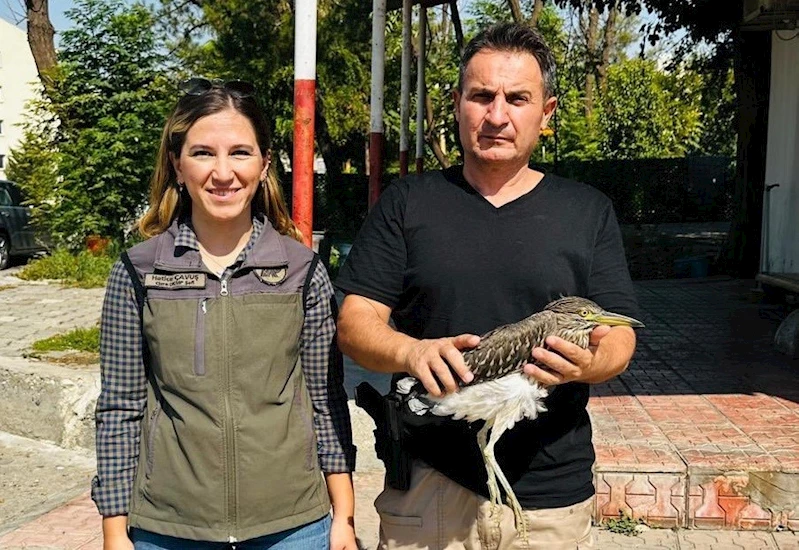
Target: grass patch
7	287
623	525
84	270
81	339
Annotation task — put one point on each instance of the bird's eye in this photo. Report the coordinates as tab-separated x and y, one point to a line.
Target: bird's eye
584	313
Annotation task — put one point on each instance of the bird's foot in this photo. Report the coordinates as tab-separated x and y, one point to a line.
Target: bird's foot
520	519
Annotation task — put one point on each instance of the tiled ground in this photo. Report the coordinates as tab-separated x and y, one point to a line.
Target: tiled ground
702	431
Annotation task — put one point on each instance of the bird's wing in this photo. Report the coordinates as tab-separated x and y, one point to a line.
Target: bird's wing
509	347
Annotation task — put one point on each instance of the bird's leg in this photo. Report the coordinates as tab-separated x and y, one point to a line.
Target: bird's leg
493	489
513	502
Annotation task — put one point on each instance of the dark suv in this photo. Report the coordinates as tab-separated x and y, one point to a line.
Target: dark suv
17	236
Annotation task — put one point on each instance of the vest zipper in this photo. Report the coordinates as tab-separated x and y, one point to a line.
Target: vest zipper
230	441
199	339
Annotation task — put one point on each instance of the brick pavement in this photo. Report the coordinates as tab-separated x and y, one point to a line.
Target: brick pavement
700	432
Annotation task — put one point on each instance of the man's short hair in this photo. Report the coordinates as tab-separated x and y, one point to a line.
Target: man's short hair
512	37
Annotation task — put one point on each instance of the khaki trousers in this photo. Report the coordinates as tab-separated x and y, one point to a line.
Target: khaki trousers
438	514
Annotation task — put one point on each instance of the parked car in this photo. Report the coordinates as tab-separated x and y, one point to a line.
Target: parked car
17	235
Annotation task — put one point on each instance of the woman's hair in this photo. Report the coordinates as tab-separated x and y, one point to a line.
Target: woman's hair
166	199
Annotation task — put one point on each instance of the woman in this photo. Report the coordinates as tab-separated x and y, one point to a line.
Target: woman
222	417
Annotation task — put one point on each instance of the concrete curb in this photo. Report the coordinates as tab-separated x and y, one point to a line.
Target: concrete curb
43	401
48	402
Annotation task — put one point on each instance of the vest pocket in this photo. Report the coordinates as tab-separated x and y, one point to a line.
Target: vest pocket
151	427
306	421
199	338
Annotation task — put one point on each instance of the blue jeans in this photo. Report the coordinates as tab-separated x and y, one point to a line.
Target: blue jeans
311	536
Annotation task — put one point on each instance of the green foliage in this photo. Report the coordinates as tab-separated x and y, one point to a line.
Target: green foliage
623	525
84	270
80	339
648	114
33	165
93	140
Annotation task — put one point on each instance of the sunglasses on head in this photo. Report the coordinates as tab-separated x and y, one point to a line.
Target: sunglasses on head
198	86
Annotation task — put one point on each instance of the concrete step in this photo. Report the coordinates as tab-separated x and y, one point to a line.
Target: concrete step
48	402
53	403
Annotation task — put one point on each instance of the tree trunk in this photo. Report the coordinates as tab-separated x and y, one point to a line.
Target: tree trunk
40	38
456	23
752	81
607	47
515	10
591	39
430	134
538	7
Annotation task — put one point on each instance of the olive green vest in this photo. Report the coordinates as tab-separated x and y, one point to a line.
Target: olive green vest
228	450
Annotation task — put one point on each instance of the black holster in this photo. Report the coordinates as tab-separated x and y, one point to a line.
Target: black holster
391	437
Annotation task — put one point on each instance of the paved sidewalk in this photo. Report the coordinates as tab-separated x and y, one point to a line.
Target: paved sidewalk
701	432
32	310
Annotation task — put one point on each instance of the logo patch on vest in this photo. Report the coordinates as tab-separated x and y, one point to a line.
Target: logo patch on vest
175	280
273	275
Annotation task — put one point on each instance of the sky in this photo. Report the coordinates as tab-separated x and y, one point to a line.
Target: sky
14	10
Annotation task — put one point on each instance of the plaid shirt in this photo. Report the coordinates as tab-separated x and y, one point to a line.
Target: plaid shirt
121	403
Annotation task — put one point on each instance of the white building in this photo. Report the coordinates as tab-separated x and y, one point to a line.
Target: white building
780	245
18	85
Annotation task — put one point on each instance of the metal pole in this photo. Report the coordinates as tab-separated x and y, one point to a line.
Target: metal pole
421	90
304	111
405	85
376	101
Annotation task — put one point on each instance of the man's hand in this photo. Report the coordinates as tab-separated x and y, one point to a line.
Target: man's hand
434	361
565	362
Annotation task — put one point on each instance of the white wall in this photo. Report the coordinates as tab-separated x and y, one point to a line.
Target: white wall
781	235
18	84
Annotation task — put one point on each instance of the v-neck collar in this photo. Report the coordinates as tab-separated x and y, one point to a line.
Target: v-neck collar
455	175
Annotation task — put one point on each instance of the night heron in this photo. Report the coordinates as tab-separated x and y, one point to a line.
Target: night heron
501	394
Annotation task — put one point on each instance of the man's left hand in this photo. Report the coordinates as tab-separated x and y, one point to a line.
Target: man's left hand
562	361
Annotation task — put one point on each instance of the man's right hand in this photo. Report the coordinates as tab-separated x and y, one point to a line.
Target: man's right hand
435	363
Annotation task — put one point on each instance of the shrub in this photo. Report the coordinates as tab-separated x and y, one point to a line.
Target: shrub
84	270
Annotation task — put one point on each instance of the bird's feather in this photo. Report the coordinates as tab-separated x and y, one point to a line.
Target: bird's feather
509	347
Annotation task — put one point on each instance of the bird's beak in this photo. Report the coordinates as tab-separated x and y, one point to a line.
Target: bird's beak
617	320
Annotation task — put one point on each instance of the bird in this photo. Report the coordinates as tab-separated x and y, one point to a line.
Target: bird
500	393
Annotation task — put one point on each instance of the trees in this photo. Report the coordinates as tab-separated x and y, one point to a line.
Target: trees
88	152
648	114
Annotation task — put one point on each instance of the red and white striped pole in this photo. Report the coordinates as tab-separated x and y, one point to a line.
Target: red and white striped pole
376	100
302	169
405	85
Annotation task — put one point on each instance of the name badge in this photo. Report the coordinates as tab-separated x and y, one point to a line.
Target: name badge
175	281
272	276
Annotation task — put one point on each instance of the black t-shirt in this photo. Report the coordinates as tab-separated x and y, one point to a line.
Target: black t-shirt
448	262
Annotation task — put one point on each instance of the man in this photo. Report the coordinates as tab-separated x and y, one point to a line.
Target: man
452	254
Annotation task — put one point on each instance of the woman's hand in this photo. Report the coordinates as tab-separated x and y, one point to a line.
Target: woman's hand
115	533
117	543
342	533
